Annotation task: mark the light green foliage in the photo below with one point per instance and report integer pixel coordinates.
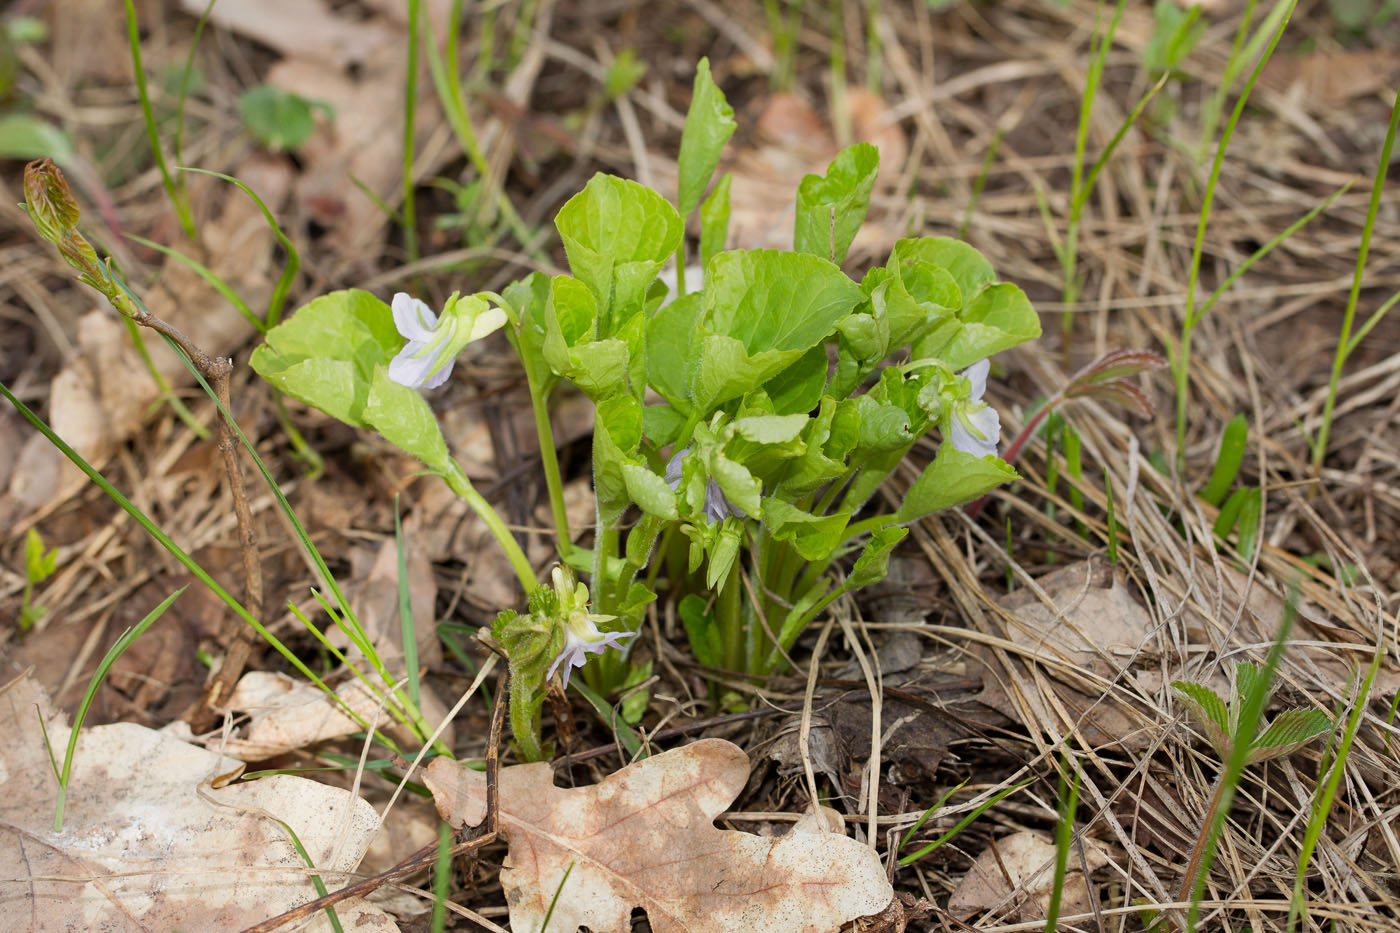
(39, 565)
(1362, 17)
(278, 119)
(623, 74)
(746, 478)
(831, 208)
(1176, 33)
(1289, 730)
(714, 220)
(333, 353)
(25, 136)
(708, 126)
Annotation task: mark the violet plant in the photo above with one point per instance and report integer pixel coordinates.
(743, 427)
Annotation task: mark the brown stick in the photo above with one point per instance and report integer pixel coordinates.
(427, 855)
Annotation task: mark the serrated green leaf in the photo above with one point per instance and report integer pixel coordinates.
(708, 125)
(952, 479)
(617, 234)
(873, 564)
(831, 208)
(1249, 679)
(725, 370)
(327, 353)
(1204, 702)
(1289, 731)
(969, 269)
(714, 221)
(770, 429)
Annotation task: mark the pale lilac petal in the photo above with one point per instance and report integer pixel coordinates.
(717, 504)
(410, 370)
(412, 317)
(977, 378)
(673, 467)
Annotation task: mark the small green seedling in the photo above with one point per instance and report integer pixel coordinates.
(280, 119)
(1233, 731)
(1174, 38)
(39, 565)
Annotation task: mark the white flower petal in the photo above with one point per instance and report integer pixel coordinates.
(439, 377)
(408, 369)
(977, 378)
(413, 319)
(987, 423)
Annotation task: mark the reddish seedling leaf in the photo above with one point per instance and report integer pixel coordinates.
(645, 837)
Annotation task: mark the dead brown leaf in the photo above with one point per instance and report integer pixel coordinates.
(152, 840)
(1019, 869)
(645, 837)
(1093, 631)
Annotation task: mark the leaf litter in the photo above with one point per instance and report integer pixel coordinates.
(1190, 607)
(156, 835)
(645, 837)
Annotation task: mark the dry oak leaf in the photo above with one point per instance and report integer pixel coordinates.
(1019, 869)
(151, 841)
(645, 837)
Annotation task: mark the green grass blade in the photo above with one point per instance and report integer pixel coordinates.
(442, 877)
(1254, 686)
(289, 271)
(1064, 838)
(116, 651)
(965, 822)
(1344, 340)
(406, 626)
(927, 813)
(1266, 249)
(209, 276)
(1227, 461)
(1327, 791)
(182, 208)
(1181, 358)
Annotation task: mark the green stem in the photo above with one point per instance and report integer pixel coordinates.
(182, 207)
(869, 525)
(525, 720)
(301, 448)
(729, 616)
(462, 486)
(410, 106)
(544, 429)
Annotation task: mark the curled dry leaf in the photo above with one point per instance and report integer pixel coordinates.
(645, 837)
(1093, 633)
(287, 714)
(150, 841)
(1020, 870)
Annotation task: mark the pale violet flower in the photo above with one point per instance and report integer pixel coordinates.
(974, 426)
(433, 343)
(717, 505)
(581, 634)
